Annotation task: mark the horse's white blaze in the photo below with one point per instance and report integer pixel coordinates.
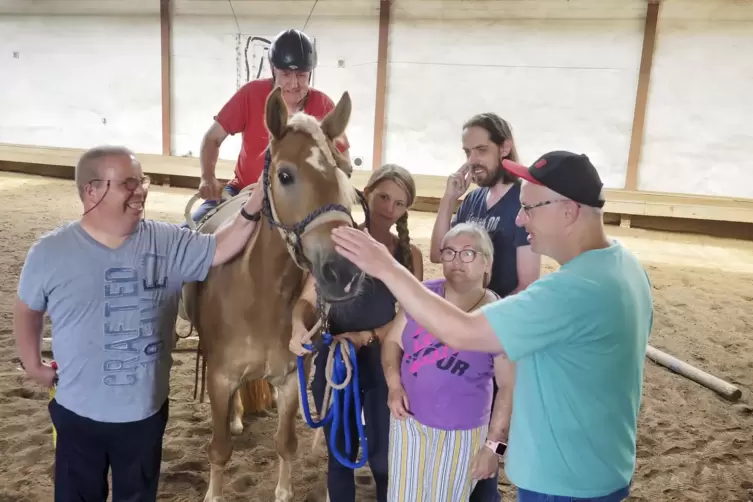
(315, 159)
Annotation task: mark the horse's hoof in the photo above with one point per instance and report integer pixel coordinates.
(236, 429)
(209, 498)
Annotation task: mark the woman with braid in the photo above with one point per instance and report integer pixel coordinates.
(365, 321)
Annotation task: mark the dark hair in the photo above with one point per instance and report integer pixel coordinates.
(499, 131)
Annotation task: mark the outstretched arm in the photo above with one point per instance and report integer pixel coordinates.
(447, 322)
(233, 237)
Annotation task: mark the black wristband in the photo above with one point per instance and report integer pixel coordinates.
(250, 217)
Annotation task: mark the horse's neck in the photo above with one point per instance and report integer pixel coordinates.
(269, 262)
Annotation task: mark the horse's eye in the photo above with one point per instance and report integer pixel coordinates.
(285, 176)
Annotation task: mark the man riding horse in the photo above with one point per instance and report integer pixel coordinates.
(292, 58)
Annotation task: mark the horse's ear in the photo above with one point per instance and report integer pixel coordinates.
(276, 113)
(343, 163)
(335, 122)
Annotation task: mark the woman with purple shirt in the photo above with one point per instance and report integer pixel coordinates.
(442, 440)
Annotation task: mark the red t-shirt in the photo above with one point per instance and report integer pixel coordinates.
(244, 113)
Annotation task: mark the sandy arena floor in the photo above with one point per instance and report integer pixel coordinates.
(692, 445)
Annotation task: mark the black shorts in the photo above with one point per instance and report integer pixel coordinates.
(86, 450)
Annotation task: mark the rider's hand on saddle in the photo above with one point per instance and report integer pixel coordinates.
(211, 189)
(458, 182)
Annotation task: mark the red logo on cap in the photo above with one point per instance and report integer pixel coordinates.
(540, 164)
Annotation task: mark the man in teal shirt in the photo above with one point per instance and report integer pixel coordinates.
(577, 335)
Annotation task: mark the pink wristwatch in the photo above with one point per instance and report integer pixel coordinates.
(497, 447)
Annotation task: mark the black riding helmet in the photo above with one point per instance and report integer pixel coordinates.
(292, 50)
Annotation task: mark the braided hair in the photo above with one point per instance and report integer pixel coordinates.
(401, 176)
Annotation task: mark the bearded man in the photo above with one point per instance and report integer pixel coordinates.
(487, 141)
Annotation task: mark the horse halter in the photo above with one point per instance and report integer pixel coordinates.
(293, 234)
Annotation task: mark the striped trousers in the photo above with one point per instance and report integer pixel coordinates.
(431, 465)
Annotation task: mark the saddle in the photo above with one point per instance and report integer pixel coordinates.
(214, 219)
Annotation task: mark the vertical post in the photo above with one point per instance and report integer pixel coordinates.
(381, 83)
(641, 98)
(165, 38)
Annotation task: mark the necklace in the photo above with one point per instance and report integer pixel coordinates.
(483, 295)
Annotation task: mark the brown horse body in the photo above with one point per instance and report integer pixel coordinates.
(242, 311)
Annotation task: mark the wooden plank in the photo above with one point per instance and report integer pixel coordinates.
(380, 106)
(429, 188)
(151, 163)
(641, 98)
(166, 62)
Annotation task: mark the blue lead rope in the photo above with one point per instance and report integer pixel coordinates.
(340, 409)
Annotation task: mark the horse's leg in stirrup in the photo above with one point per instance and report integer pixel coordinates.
(236, 417)
(286, 441)
(220, 389)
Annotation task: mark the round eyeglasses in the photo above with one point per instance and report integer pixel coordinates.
(466, 255)
(132, 183)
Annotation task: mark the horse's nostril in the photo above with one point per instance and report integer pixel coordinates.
(329, 273)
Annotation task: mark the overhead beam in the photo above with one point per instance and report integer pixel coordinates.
(166, 60)
(380, 107)
(641, 98)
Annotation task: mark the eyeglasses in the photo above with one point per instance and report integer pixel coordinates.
(466, 255)
(130, 184)
(527, 208)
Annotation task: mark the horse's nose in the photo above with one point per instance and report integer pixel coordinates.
(329, 272)
(335, 272)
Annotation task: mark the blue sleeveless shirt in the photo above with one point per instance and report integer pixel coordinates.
(371, 309)
(506, 236)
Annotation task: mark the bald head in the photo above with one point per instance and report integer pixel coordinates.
(92, 163)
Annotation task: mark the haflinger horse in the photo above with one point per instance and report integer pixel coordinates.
(242, 310)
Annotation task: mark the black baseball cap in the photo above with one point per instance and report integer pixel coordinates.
(569, 174)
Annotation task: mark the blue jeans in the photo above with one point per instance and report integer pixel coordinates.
(87, 449)
(529, 496)
(207, 205)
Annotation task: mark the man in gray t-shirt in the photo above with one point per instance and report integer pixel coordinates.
(110, 283)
